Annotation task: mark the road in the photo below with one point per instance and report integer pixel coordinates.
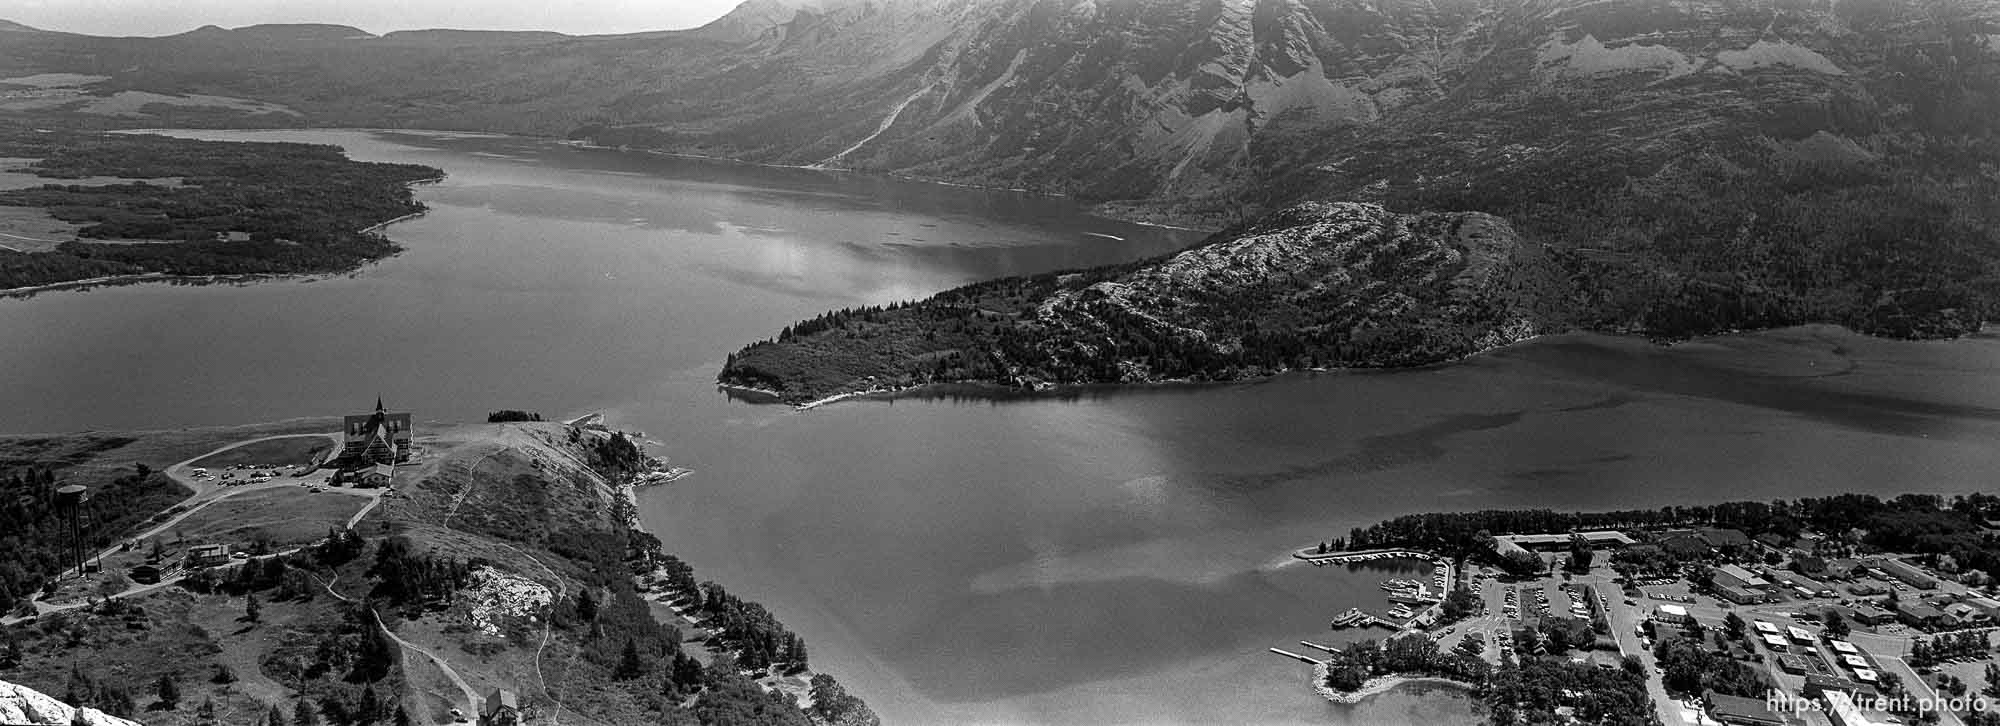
(471, 696)
(206, 492)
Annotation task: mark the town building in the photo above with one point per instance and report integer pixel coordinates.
(1918, 614)
(1964, 614)
(1986, 605)
(1672, 615)
(375, 477)
(1842, 568)
(1737, 576)
(208, 555)
(1739, 710)
(1910, 574)
(1871, 614)
(1740, 595)
(1793, 664)
(1843, 711)
(1607, 539)
(1819, 685)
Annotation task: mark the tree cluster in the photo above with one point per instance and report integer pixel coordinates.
(34, 540)
(302, 207)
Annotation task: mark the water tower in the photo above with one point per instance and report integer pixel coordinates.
(69, 505)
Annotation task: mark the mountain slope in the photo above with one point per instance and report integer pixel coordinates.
(1690, 166)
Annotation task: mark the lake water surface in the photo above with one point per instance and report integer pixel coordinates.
(1095, 558)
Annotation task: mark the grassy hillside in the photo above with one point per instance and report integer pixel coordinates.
(506, 561)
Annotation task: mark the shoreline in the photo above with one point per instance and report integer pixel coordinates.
(1001, 392)
(1378, 685)
(139, 277)
(1093, 210)
(1004, 391)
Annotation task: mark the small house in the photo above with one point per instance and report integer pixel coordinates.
(502, 708)
(208, 555)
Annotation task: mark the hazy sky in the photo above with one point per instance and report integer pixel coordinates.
(166, 17)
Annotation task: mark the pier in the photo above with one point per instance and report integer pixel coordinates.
(1330, 650)
(1341, 558)
(1354, 617)
(1295, 656)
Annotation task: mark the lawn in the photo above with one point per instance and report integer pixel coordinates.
(290, 516)
(287, 451)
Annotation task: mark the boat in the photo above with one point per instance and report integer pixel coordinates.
(1351, 618)
(1401, 584)
(1401, 611)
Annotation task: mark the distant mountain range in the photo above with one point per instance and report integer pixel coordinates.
(1692, 165)
(1205, 109)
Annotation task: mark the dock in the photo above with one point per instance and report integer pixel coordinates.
(588, 421)
(1295, 656)
(1354, 617)
(1330, 650)
(1341, 558)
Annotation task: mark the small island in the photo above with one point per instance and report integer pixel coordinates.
(135, 206)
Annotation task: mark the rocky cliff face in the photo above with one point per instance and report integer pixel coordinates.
(1215, 107)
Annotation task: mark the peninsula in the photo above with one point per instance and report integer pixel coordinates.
(80, 206)
(475, 570)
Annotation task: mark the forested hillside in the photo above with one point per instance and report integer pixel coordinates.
(238, 208)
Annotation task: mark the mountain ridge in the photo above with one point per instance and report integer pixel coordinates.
(1690, 167)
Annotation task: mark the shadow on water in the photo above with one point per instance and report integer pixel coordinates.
(1686, 375)
(1382, 452)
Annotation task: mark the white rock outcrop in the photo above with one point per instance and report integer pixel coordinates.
(23, 705)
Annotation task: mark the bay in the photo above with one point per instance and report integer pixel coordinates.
(1104, 556)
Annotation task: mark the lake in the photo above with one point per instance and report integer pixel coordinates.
(1100, 557)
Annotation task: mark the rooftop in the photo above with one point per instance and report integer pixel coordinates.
(1748, 578)
(1741, 710)
(1598, 536)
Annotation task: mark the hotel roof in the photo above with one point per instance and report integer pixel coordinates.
(1845, 647)
(1765, 627)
